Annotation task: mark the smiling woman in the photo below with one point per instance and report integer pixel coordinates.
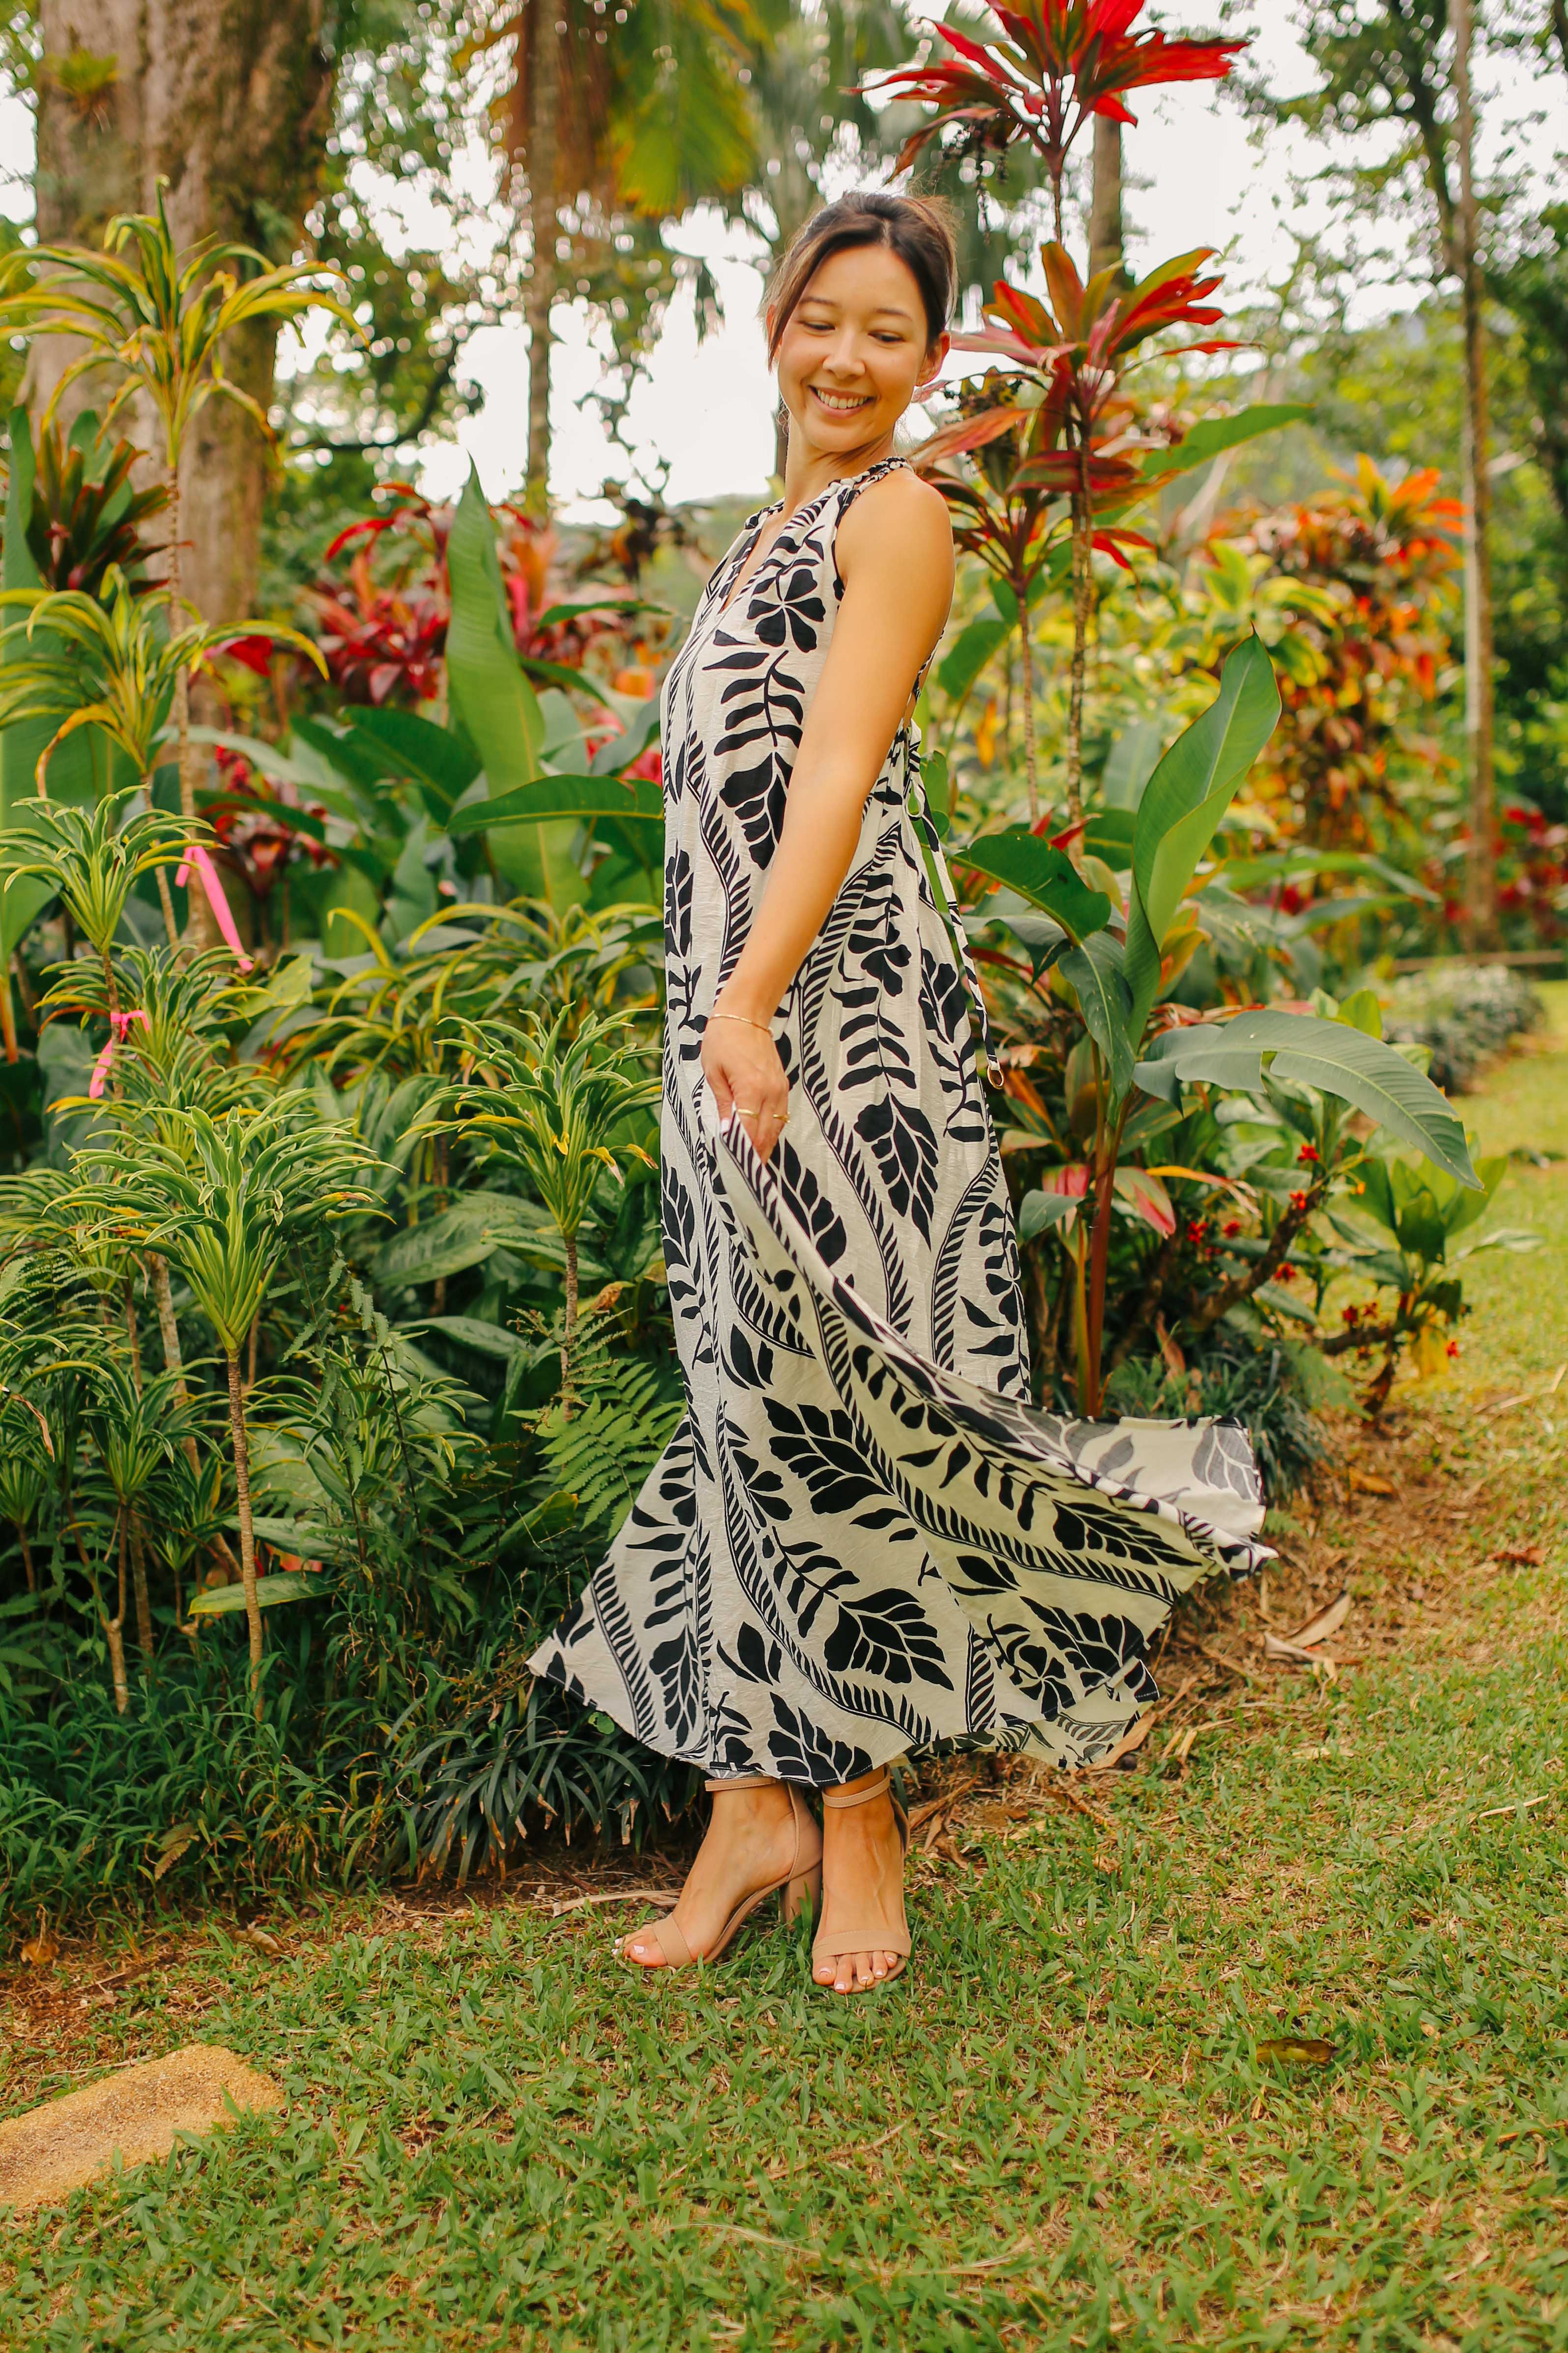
(861, 1539)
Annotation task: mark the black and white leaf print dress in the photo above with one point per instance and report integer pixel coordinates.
(862, 1538)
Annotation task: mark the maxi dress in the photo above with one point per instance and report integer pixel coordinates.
(862, 1538)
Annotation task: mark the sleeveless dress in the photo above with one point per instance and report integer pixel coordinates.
(862, 1538)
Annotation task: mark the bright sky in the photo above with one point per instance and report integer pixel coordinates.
(708, 406)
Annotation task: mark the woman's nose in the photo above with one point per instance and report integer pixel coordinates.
(844, 358)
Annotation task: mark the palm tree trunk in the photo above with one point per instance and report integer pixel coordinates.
(1481, 914)
(247, 1527)
(1106, 232)
(543, 199)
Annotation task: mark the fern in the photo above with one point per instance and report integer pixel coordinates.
(626, 1410)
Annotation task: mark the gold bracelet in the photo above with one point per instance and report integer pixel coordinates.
(745, 1021)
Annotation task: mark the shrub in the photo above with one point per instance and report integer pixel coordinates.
(1463, 1014)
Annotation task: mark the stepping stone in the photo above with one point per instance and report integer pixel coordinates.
(135, 2115)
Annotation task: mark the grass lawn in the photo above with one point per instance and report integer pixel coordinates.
(1066, 2127)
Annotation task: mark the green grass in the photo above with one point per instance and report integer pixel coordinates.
(1061, 2130)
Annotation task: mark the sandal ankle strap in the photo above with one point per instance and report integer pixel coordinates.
(740, 1781)
(839, 1798)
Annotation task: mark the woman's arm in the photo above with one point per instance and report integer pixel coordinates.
(895, 559)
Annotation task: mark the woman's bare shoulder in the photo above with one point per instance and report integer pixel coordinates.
(898, 521)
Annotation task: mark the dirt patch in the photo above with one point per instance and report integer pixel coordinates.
(135, 2115)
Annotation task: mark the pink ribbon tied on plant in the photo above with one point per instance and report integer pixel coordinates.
(119, 1031)
(197, 857)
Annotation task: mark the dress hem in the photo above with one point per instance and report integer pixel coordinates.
(1014, 1738)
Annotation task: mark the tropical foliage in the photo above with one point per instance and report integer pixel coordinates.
(335, 1327)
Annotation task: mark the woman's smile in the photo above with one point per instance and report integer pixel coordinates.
(841, 404)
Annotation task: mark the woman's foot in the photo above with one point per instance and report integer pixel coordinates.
(862, 1880)
(751, 1841)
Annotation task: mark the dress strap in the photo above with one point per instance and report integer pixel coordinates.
(850, 487)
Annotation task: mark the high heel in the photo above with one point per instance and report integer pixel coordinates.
(876, 1939)
(800, 1884)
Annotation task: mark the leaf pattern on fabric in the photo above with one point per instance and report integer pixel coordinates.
(861, 1538)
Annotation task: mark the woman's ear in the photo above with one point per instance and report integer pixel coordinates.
(927, 380)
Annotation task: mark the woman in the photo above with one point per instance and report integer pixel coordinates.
(861, 1538)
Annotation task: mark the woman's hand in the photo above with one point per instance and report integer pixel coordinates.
(740, 1063)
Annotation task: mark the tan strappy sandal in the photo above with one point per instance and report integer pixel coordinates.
(876, 1939)
(802, 1883)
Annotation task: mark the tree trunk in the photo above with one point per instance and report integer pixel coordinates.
(1481, 912)
(1082, 600)
(544, 203)
(231, 104)
(569, 1332)
(169, 1333)
(247, 1527)
(1031, 755)
(143, 1598)
(113, 1628)
(1106, 227)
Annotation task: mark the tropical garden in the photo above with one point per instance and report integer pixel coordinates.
(335, 1336)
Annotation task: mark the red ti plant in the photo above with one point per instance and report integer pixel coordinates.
(1063, 62)
(1007, 505)
(1075, 349)
(384, 635)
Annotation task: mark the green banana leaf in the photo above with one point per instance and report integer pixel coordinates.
(495, 706)
(435, 759)
(1046, 877)
(1107, 834)
(1098, 973)
(968, 655)
(1215, 435)
(564, 797)
(1280, 865)
(1332, 1056)
(1186, 797)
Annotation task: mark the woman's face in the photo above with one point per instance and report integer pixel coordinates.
(854, 352)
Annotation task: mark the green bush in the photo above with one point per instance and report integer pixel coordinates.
(1464, 1015)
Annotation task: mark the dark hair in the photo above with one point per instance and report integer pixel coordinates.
(918, 230)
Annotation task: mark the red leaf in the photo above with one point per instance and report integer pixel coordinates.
(367, 528)
(255, 652)
(969, 432)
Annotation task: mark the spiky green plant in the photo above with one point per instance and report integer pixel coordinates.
(116, 665)
(550, 1103)
(159, 319)
(91, 862)
(134, 1426)
(223, 1202)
